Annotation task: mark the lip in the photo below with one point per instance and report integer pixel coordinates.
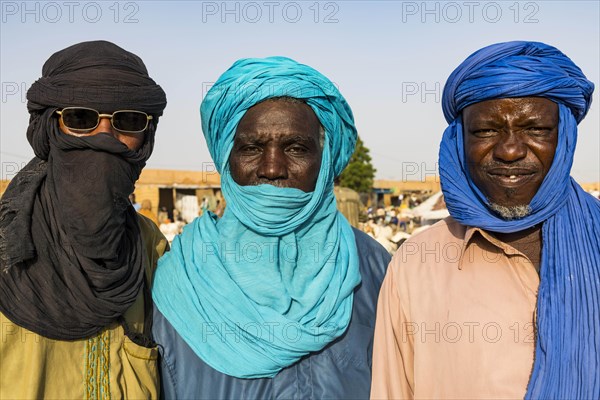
(513, 177)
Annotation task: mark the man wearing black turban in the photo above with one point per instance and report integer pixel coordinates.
(76, 260)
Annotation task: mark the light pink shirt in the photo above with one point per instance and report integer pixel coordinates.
(455, 318)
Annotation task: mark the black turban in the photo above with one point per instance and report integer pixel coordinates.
(98, 75)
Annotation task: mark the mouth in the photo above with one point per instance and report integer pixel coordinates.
(275, 182)
(511, 177)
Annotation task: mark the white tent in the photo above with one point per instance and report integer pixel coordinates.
(426, 211)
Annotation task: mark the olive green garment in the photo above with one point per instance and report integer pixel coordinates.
(106, 366)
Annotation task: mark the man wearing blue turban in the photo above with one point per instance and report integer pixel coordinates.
(277, 298)
(502, 298)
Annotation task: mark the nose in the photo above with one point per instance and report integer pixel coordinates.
(272, 166)
(510, 148)
(104, 126)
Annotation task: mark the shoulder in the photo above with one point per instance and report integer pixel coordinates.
(155, 243)
(447, 232)
(374, 261)
(440, 245)
(148, 228)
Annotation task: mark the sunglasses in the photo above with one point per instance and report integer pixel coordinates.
(81, 120)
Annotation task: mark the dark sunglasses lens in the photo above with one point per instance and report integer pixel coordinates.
(79, 118)
(131, 121)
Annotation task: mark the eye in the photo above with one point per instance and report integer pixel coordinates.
(249, 149)
(538, 130)
(484, 132)
(297, 149)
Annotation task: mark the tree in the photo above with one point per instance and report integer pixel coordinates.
(359, 173)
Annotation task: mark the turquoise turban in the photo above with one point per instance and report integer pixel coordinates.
(250, 81)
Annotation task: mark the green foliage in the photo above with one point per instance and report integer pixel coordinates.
(359, 173)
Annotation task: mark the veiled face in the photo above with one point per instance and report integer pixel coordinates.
(277, 143)
(510, 146)
(133, 141)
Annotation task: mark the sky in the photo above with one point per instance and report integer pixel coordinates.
(389, 59)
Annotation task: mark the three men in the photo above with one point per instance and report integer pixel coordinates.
(76, 260)
(500, 300)
(276, 299)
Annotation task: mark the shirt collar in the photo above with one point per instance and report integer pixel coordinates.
(474, 233)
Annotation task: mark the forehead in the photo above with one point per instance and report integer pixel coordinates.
(520, 107)
(279, 113)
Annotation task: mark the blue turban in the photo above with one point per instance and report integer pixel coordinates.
(273, 280)
(567, 355)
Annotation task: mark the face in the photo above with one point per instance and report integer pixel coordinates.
(277, 143)
(509, 146)
(133, 141)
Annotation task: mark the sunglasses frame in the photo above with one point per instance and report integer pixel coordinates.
(85, 132)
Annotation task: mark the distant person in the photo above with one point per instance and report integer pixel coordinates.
(276, 299)
(219, 209)
(136, 206)
(204, 206)
(163, 215)
(501, 300)
(147, 212)
(76, 260)
(383, 234)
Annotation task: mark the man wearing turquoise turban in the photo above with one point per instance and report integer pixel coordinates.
(277, 298)
(502, 298)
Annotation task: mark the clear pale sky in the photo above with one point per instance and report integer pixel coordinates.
(390, 59)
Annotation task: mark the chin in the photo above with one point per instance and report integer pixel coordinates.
(510, 212)
(509, 197)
